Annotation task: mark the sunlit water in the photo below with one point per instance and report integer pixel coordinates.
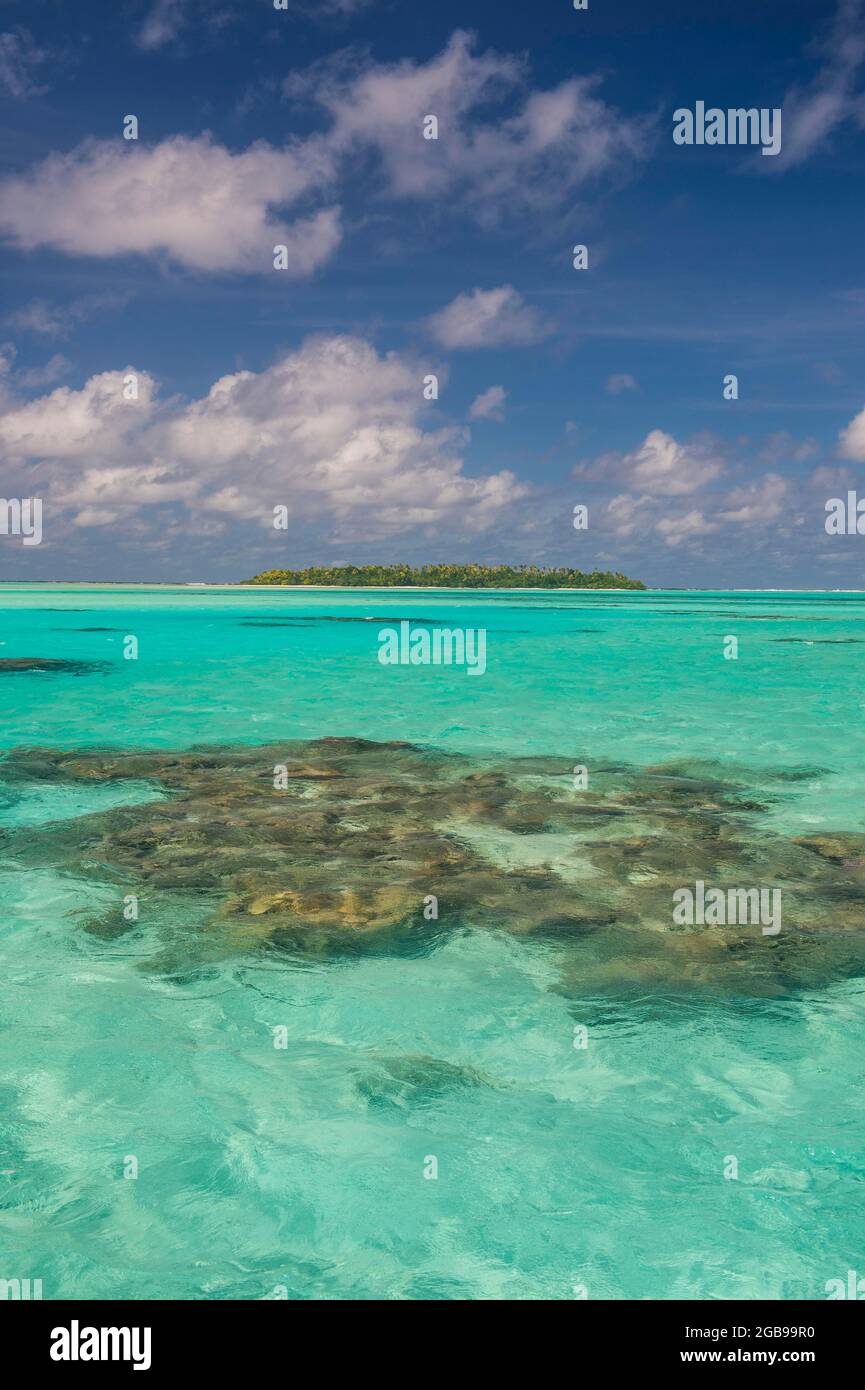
(301, 1169)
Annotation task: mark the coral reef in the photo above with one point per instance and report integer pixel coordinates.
(339, 844)
(13, 665)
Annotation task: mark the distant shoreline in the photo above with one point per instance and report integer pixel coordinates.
(328, 588)
(386, 588)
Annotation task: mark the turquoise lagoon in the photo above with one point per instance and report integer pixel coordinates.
(264, 1172)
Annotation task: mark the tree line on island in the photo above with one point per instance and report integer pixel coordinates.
(448, 577)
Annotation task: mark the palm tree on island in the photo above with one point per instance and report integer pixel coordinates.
(447, 577)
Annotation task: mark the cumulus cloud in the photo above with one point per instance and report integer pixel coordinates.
(674, 530)
(332, 431)
(627, 515)
(664, 467)
(677, 492)
(191, 199)
(851, 441)
(213, 209)
(489, 405)
(624, 514)
(488, 318)
(531, 157)
(760, 501)
(660, 467)
(70, 424)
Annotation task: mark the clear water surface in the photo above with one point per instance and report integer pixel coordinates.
(300, 1171)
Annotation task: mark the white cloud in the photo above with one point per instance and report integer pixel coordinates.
(334, 7)
(760, 501)
(50, 320)
(39, 317)
(489, 405)
(114, 493)
(71, 424)
(211, 209)
(488, 318)
(163, 23)
(618, 382)
(188, 198)
(755, 504)
(781, 446)
(19, 59)
(676, 529)
(661, 471)
(813, 112)
(55, 368)
(529, 158)
(331, 430)
(851, 441)
(8, 353)
(168, 19)
(660, 467)
(828, 477)
(625, 514)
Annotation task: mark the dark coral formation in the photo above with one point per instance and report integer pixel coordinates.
(346, 849)
(13, 665)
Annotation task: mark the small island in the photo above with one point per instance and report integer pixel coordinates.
(447, 577)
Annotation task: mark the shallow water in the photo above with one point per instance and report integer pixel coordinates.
(301, 1167)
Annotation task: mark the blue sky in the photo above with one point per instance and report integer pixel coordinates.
(304, 388)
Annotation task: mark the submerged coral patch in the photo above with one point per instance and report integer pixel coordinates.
(12, 665)
(342, 844)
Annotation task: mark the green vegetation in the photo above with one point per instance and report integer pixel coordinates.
(449, 577)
